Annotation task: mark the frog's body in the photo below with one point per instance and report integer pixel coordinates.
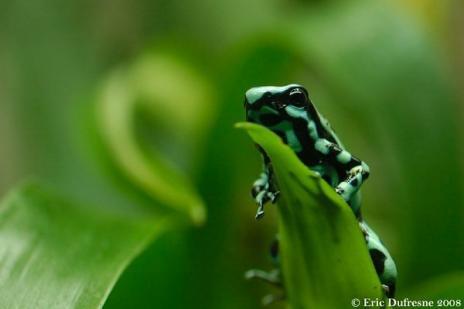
(289, 113)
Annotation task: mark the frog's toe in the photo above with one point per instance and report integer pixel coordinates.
(271, 299)
(355, 170)
(386, 288)
(272, 277)
(274, 196)
(262, 198)
(260, 212)
(389, 290)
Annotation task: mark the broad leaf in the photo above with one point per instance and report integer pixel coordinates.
(54, 254)
(325, 261)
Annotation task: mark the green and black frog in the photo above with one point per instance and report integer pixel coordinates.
(289, 112)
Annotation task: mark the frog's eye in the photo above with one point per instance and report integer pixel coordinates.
(297, 98)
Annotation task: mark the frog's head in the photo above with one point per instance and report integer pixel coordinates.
(271, 105)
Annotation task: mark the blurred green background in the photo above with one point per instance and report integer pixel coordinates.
(387, 75)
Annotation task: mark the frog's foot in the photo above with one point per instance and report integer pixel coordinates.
(274, 196)
(339, 190)
(273, 277)
(260, 212)
(356, 170)
(272, 298)
(389, 290)
(386, 289)
(262, 198)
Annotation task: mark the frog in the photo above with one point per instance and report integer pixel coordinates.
(289, 112)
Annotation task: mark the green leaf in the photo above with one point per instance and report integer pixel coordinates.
(54, 254)
(325, 261)
(151, 86)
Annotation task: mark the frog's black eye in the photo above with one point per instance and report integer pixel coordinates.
(297, 98)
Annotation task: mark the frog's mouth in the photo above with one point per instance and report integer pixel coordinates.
(266, 116)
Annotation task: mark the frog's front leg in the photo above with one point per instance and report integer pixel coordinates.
(356, 170)
(263, 191)
(351, 184)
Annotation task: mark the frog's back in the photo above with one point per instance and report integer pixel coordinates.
(331, 135)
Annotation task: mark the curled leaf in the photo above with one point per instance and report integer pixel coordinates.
(159, 86)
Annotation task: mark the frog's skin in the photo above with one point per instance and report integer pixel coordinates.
(289, 113)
